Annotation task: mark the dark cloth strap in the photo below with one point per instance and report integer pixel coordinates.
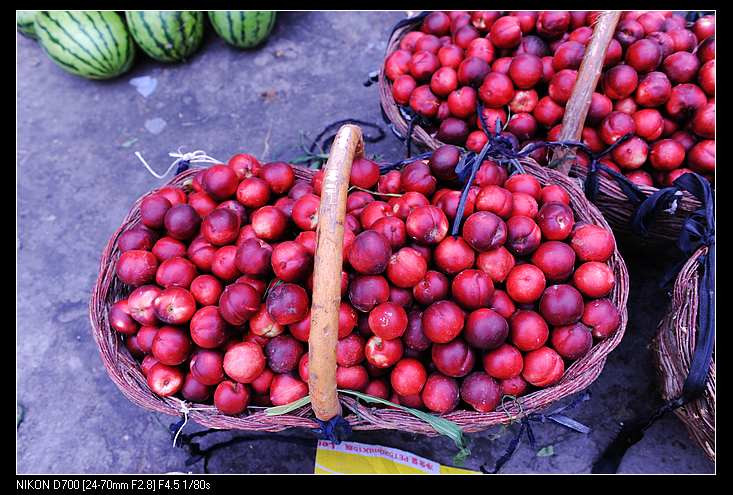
(335, 430)
(698, 230)
(526, 426)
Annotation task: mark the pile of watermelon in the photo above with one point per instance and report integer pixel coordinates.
(101, 44)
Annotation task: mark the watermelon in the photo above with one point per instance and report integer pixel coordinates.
(88, 43)
(242, 28)
(167, 36)
(24, 21)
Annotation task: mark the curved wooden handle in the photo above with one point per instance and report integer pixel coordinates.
(590, 70)
(323, 338)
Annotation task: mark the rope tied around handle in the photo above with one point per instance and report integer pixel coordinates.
(335, 430)
(698, 230)
(526, 426)
(182, 160)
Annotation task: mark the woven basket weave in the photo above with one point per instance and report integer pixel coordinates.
(127, 375)
(611, 200)
(675, 346)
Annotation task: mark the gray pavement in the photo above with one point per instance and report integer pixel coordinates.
(77, 178)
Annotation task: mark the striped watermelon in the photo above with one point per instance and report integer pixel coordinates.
(88, 43)
(24, 21)
(243, 28)
(167, 36)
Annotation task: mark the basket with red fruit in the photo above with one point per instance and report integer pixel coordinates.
(655, 80)
(242, 287)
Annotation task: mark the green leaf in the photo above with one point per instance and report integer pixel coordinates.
(441, 425)
(547, 451)
(278, 410)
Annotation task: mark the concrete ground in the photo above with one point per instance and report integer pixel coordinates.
(77, 178)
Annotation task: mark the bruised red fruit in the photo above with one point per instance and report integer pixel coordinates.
(485, 329)
(472, 289)
(594, 279)
(120, 318)
(397, 64)
(543, 367)
(207, 366)
(367, 291)
(285, 389)
(528, 330)
(414, 338)
(523, 235)
(208, 328)
(406, 268)
(253, 257)
(174, 306)
(383, 353)
(291, 261)
(454, 358)
(481, 392)
(171, 346)
(502, 303)
(164, 380)
(137, 267)
(238, 303)
(503, 362)
(562, 84)
(433, 287)
(561, 305)
(484, 231)
(244, 362)
(592, 243)
(153, 209)
(350, 350)
(497, 263)
(244, 165)
(193, 390)
(440, 393)
(283, 353)
(287, 303)
(453, 255)
(364, 173)
(525, 283)
(427, 224)
(220, 182)
(555, 221)
(279, 176)
(620, 81)
(370, 253)
(388, 321)
(442, 321)
(408, 377)
(602, 317)
(262, 324)
(572, 341)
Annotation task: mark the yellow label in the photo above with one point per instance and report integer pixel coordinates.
(360, 458)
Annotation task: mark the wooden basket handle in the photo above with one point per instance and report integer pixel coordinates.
(590, 70)
(347, 145)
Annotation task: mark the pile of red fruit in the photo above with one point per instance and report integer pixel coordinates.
(658, 84)
(221, 278)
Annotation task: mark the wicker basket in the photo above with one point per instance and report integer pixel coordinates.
(126, 373)
(675, 345)
(611, 200)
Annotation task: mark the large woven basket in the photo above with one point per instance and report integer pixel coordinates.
(675, 346)
(611, 200)
(127, 375)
